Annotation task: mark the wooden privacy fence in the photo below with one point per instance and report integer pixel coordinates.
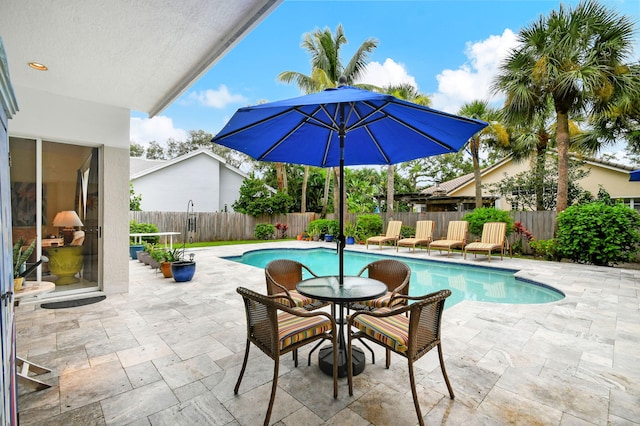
(237, 226)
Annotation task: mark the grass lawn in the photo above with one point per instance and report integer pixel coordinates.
(230, 243)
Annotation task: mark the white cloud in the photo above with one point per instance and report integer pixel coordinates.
(390, 73)
(472, 80)
(159, 129)
(217, 98)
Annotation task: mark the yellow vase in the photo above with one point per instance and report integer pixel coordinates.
(65, 262)
(17, 284)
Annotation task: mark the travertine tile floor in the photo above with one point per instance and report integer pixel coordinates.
(170, 354)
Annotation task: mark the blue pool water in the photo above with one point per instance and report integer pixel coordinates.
(465, 282)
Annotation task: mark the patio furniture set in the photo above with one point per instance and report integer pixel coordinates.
(289, 317)
(493, 239)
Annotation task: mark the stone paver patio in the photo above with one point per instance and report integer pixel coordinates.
(170, 354)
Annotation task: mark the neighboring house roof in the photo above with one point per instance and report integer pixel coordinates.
(155, 165)
(139, 55)
(446, 188)
(138, 164)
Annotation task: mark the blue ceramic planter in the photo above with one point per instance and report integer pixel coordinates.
(134, 249)
(183, 270)
(328, 238)
(351, 240)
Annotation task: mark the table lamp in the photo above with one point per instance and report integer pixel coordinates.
(68, 220)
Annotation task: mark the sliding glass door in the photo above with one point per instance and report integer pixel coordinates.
(55, 201)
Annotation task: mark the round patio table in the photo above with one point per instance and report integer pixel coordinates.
(353, 289)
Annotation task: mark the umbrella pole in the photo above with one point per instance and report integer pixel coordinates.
(341, 238)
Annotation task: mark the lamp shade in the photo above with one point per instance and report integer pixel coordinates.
(67, 218)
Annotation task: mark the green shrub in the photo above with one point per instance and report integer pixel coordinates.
(318, 227)
(368, 225)
(144, 228)
(407, 231)
(598, 233)
(158, 254)
(264, 231)
(482, 215)
(546, 249)
(333, 227)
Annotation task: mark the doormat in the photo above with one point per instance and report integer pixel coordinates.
(73, 303)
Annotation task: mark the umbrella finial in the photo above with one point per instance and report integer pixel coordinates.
(342, 81)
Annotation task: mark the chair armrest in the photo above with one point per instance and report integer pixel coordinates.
(300, 312)
(285, 291)
(309, 270)
(435, 294)
(378, 314)
(396, 291)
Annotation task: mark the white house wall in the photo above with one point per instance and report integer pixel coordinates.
(171, 188)
(61, 119)
(230, 183)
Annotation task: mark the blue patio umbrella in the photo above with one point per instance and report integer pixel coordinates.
(634, 176)
(344, 126)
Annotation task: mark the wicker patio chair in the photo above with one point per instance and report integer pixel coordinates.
(456, 237)
(276, 333)
(282, 275)
(392, 235)
(410, 337)
(494, 237)
(394, 274)
(423, 236)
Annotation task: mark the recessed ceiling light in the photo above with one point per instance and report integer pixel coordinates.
(38, 66)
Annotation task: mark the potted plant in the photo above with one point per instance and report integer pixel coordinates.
(157, 254)
(183, 270)
(134, 248)
(314, 229)
(168, 257)
(350, 230)
(144, 255)
(332, 228)
(19, 263)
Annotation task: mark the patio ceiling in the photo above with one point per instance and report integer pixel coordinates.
(139, 55)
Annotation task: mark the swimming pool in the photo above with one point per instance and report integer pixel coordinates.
(466, 282)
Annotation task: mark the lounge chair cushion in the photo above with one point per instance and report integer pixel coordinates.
(392, 331)
(293, 329)
(478, 246)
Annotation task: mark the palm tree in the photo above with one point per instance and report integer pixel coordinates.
(531, 139)
(494, 135)
(409, 93)
(576, 59)
(327, 68)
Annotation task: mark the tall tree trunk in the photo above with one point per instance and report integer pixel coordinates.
(475, 155)
(541, 156)
(325, 196)
(303, 196)
(390, 188)
(281, 176)
(562, 138)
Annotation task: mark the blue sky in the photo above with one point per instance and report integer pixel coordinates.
(448, 49)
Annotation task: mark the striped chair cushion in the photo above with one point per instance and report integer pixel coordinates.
(457, 230)
(380, 302)
(391, 331)
(298, 299)
(293, 329)
(477, 246)
(493, 232)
